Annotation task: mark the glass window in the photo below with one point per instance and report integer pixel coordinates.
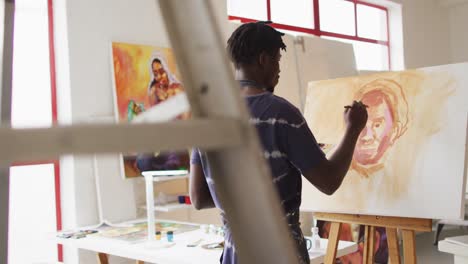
(337, 16)
(254, 9)
(299, 13)
(31, 95)
(372, 22)
(32, 217)
(369, 56)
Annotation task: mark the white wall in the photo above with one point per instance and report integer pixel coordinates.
(426, 34)
(458, 20)
(433, 31)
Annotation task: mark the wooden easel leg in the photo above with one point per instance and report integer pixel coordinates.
(369, 243)
(102, 258)
(409, 246)
(332, 243)
(393, 248)
(366, 248)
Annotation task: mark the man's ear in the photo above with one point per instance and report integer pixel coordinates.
(262, 59)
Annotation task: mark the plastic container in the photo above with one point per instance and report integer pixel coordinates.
(170, 236)
(315, 238)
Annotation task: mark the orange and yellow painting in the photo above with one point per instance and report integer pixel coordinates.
(412, 150)
(145, 76)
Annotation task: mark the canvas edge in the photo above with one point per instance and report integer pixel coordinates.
(464, 198)
(116, 110)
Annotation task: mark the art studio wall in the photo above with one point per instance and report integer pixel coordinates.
(458, 19)
(433, 32)
(84, 30)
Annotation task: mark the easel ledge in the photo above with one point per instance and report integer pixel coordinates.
(408, 226)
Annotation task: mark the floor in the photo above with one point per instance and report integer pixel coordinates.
(427, 253)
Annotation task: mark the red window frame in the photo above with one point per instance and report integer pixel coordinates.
(317, 30)
(53, 87)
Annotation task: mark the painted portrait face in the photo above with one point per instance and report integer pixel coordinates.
(160, 75)
(376, 137)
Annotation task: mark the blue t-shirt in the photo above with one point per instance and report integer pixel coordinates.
(289, 147)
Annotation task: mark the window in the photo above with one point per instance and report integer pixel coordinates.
(337, 16)
(32, 214)
(253, 9)
(371, 22)
(362, 24)
(31, 102)
(34, 204)
(303, 11)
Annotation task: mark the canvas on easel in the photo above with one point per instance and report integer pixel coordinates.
(145, 76)
(410, 158)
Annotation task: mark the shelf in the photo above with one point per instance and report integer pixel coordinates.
(170, 207)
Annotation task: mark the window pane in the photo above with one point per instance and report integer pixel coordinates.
(369, 56)
(337, 16)
(254, 9)
(372, 57)
(299, 13)
(32, 215)
(372, 22)
(31, 102)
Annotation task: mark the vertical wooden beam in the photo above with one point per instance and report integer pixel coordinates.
(370, 245)
(103, 258)
(195, 42)
(5, 118)
(393, 248)
(332, 243)
(365, 255)
(409, 246)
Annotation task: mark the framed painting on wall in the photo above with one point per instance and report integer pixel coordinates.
(145, 76)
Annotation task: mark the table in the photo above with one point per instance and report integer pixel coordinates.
(458, 246)
(179, 253)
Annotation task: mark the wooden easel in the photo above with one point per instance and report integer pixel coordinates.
(408, 226)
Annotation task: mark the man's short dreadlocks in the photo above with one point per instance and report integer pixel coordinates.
(251, 39)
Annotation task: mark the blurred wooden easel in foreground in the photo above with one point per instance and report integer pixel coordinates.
(408, 226)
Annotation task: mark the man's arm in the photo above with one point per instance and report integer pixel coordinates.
(329, 173)
(200, 195)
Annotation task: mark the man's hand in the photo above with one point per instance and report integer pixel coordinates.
(328, 175)
(355, 116)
